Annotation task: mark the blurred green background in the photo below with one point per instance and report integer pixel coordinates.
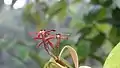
(93, 25)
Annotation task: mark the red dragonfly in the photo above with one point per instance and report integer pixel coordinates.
(45, 36)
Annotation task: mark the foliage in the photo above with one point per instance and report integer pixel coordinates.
(95, 22)
(112, 60)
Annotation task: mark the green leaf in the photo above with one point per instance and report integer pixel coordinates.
(101, 14)
(115, 14)
(35, 56)
(107, 3)
(6, 43)
(56, 8)
(21, 51)
(36, 17)
(26, 12)
(97, 41)
(95, 1)
(30, 16)
(62, 14)
(96, 13)
(83, 49)
(114, 35)
(33, 17)
(112, 60)
(69, 42)
(85, 30)
(75, 23)
(75, 1)
(105, 28)
(92, 33)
